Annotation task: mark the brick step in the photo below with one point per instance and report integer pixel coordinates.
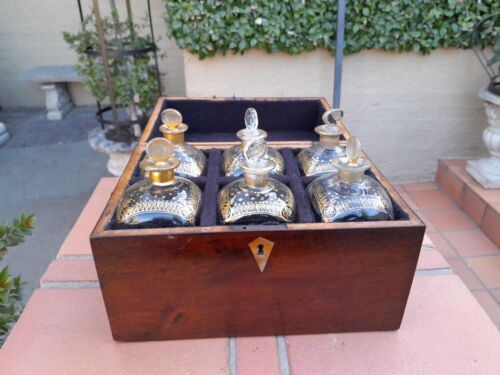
(481, 205)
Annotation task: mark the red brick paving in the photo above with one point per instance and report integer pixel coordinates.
(465, 229)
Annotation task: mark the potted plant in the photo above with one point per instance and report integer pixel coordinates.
(11, 286)
(115, 60)
(486, 171)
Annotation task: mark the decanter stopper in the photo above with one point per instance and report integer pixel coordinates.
(192, 160)
(162, 163)
(251, 122)
(233, 157)
(256, 165)
(329, 132)
(352, 167)
(251, 130)
(171, 118)
(173, 128)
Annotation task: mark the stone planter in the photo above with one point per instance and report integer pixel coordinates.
(118, 152)
(486, 171)
(403, 107)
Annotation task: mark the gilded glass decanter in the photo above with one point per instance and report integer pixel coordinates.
(233, 157)
(350, 195)
(256, 198)
(192, 160)
(162, 199)
(317, 159)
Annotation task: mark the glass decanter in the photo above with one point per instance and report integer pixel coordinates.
(192, 160)
(256, 198)
(233, 157)
(350, 195)
(162, 199)
(318, 159)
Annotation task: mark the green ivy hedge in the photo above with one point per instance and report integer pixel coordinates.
(208, 27)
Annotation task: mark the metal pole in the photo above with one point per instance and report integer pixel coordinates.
(155, 54)
(339, 53)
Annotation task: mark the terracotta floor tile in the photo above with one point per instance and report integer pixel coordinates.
(491, 225)
(487, 268)
(488, 195)
(77, 242)
(471, 243)
(449, 219)
(460, 268)
(424, 186)
(442, 170)
(444, 331)
(473, 206)
(453, 186)
(61, 271)
(496, 207)
(257, 355)
(409, 201)
(66, 331)
(430, 199)
(496, 294)
(429, 226)
(427, 243)
(461, 173)
(442, 245)
(489, 305)
(431, 260)
(455, 162)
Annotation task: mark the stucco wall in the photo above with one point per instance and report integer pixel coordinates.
(31, 35)
(407, 109)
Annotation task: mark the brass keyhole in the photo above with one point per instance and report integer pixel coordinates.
(260, 250)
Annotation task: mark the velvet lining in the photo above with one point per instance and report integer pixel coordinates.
(214, 180)
(283, 119)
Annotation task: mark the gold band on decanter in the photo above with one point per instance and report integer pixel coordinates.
(161, 166)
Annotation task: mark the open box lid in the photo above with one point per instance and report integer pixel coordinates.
(218, 119)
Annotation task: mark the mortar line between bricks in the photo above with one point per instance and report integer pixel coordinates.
(70, 285)
(283, 355)
(439, 271)
(233, 369)
(74, 257)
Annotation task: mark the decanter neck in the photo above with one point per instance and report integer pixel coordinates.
(255, 180)
(329, 141)
(175, 138)
(350, 177)
(162, 178)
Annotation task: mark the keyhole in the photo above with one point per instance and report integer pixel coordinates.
(261, 249)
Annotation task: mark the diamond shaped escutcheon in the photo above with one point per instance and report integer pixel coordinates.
(261, 250)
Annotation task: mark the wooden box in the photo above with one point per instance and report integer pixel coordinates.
(204, 281)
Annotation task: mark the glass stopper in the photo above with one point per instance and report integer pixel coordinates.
(332, 116)
(256, 150)
(251, 121)
(159, 150)
(353, 150)
(171, 118)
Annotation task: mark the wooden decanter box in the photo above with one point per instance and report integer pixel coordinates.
(205, 281)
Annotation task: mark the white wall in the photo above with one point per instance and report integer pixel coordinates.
(407, 109)
(31, 35)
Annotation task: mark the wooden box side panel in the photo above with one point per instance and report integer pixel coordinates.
(316, 281)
